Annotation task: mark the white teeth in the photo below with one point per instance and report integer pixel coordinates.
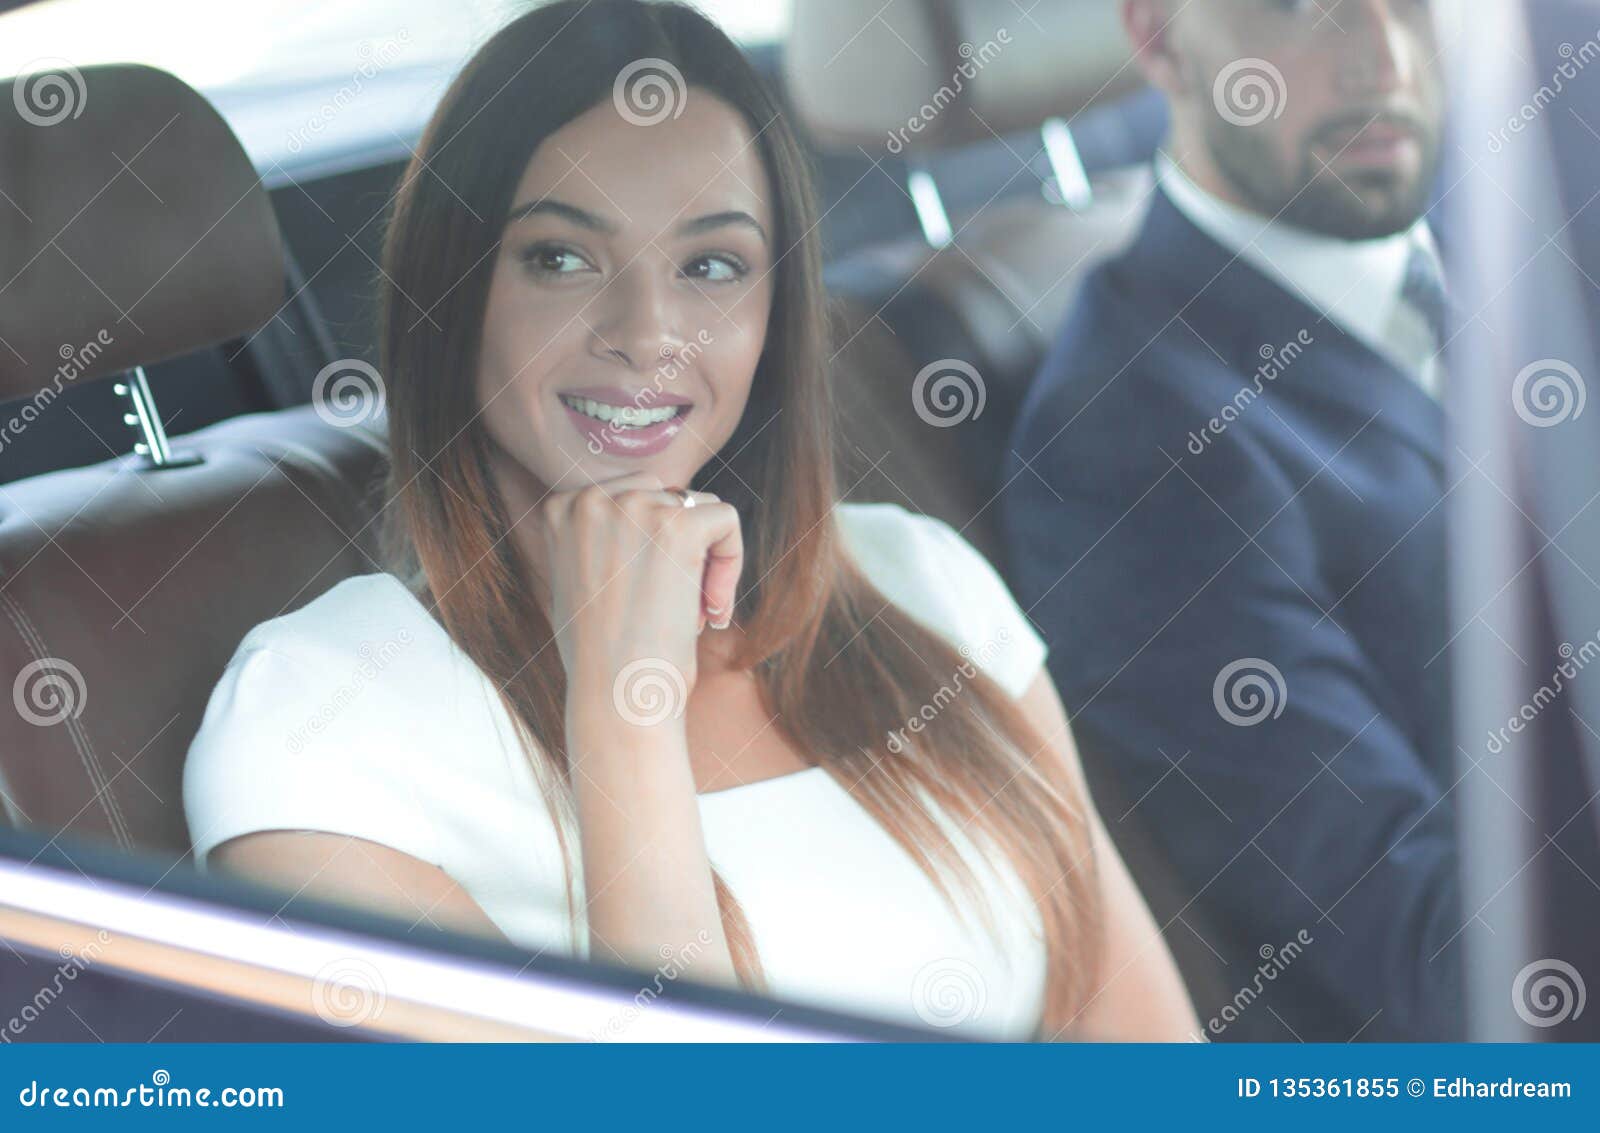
(623, 417)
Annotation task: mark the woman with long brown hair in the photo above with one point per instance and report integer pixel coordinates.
(636, 684)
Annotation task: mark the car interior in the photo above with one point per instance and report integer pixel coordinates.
(183, 488)
(148, 567)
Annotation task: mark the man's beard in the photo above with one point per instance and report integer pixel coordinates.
(1365, 205)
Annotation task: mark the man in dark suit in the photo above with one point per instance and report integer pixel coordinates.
(1225, 512)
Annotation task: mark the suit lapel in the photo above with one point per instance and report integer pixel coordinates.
(1242, 314)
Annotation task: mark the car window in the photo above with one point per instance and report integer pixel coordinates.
(1144, 431)
(277, 42)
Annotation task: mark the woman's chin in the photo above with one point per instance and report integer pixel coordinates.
(590, 469)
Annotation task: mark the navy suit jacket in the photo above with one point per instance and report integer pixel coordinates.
(1226, 516)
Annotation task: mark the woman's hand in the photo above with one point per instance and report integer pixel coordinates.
(634, 575)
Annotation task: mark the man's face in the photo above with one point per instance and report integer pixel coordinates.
(1322, 113)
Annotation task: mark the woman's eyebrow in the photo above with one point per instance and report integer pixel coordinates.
(721, 219)
(585, 219)
(581, 217)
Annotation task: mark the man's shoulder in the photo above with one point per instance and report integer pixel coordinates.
(1135, 317)
(1122, 367)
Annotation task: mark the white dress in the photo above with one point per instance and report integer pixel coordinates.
(357, 714)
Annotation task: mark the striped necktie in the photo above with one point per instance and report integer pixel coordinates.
(1424, 290)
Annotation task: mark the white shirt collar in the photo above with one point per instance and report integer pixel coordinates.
(1356, 283)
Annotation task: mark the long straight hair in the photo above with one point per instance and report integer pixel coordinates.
(836, 664)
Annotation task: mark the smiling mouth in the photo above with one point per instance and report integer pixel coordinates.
(622, 417)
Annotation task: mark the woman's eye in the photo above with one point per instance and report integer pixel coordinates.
(552, 259)
(716, 269)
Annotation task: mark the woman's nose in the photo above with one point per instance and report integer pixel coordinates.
(638, 324)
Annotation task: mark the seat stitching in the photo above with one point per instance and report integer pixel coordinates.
(105, 794)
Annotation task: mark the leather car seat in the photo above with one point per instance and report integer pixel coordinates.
(990, 300)
(133, 229)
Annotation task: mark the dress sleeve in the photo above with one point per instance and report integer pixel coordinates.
(993, 627)
(290, 741)
(932, 572)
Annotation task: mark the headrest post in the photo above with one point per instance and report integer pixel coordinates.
(929, 204)
(154, 448)
(1066, 164)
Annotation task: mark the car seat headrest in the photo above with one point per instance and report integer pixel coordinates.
(928, 74)
(133, 226)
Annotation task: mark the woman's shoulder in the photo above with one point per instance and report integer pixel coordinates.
(932, 572)
(883, 529)
(355, 619)
(358, 667)
(321, 721)
(891, 543)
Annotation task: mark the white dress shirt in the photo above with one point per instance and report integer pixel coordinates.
(1355, 283)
